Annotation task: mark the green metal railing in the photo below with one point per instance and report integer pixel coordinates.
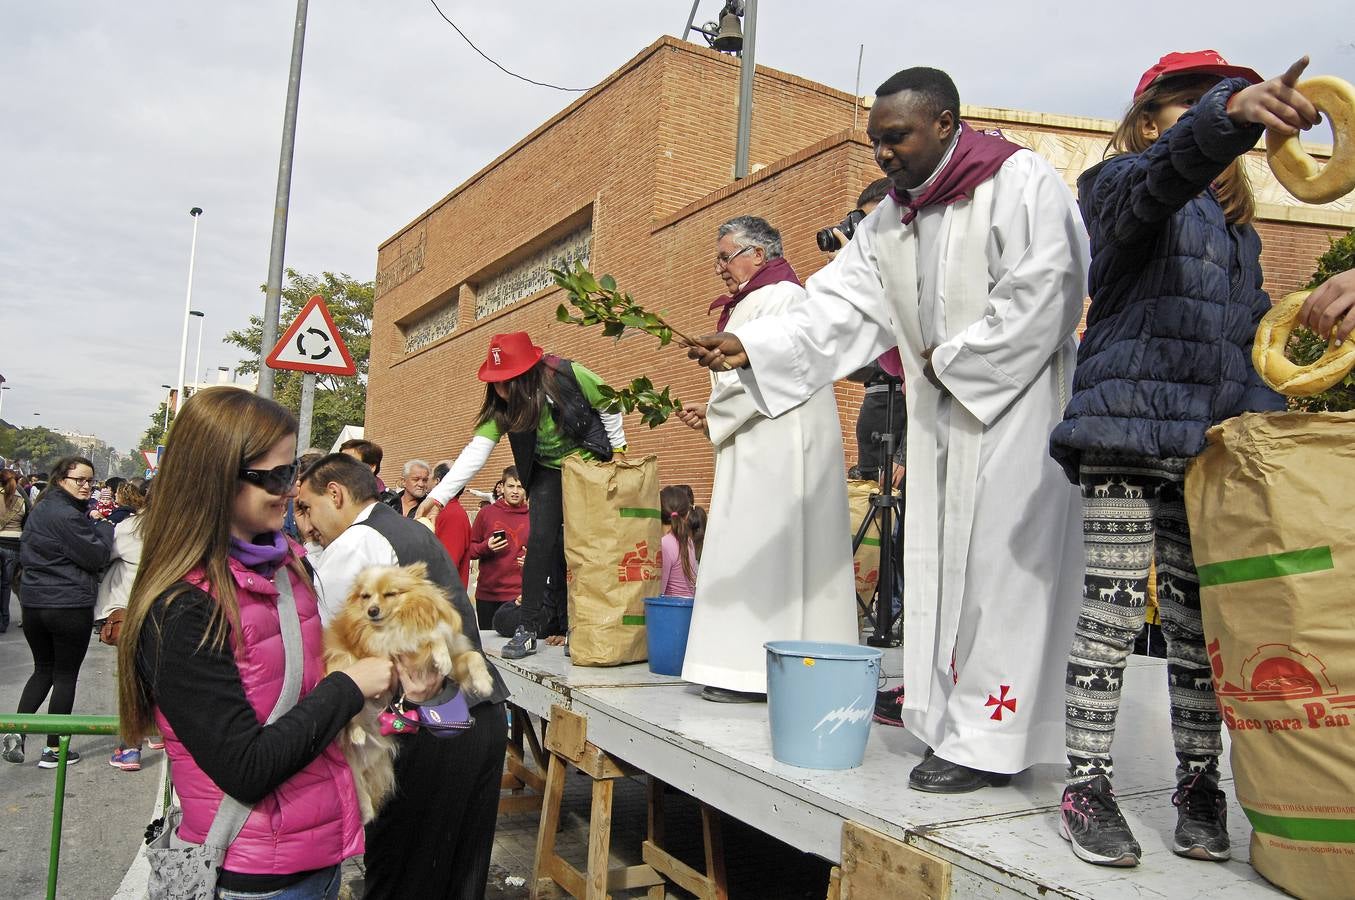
(64, 727)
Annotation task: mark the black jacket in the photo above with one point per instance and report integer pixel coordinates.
(63, 551)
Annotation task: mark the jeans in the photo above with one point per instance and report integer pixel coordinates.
(323, 885)
(9, 564)
(544, 609)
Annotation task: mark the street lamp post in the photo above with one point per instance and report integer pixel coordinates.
(188, 299)
(3, 388)
(164, 429)
(197, 362)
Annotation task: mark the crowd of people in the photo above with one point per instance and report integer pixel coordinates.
(1039, 469)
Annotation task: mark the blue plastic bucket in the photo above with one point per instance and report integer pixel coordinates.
(820, 699)
(667, 622)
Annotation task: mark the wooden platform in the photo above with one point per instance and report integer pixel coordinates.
(999, 842)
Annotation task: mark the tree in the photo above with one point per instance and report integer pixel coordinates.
(1305, 347)
(339, 401)
(155, 434)
(39, 446)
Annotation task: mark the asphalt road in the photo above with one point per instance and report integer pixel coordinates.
(106, 809)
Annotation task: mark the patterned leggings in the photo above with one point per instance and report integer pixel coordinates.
(1131, 507)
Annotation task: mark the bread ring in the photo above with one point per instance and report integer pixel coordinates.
(1290, 379)
(1299, 172)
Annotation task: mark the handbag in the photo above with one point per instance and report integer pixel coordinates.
(184, 871)
(443, 715)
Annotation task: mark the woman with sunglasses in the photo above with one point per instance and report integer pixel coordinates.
(202, 658)
(62, 552)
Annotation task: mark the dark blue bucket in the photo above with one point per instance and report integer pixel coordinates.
(667, 621)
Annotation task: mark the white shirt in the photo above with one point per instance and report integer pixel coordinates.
(354, 550)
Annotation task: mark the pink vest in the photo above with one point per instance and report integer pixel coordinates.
(311, 820)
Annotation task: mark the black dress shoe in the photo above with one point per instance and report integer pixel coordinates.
(725, 695)
(937, 776)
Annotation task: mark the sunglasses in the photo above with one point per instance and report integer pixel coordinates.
(277, 481)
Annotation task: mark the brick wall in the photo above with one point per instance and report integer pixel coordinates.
(647, 157)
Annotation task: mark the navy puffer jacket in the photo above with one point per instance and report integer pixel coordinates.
(63, 551)
(1176, 297)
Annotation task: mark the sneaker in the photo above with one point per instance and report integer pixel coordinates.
(1091, 821)
(1201, 818)
(152, 744)
(14, 748)
(522, 644)
(50, 757)
(128, 760)
(889, 707)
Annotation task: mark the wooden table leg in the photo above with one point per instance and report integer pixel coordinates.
(550, 820)
(599, 840)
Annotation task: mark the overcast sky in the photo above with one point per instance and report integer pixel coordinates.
(119, 117)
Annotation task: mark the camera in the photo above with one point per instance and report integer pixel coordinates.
(828, 241)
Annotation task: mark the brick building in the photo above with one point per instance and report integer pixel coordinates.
(633, 178)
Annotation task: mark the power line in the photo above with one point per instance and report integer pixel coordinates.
(496, 63)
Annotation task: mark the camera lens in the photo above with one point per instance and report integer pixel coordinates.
(827, 240)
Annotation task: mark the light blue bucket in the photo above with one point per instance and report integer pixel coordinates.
(820, 699)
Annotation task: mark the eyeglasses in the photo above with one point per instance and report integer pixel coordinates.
(277, 481)
(722, 260)
(81, 481)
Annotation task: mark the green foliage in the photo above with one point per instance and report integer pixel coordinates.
(339, 401)
(600, 303)
(1305, 347)
(155, 434)
(640, 396)
(39, 446)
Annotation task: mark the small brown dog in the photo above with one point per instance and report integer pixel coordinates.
(397, 613)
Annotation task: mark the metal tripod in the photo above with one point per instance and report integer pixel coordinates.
(879, 609)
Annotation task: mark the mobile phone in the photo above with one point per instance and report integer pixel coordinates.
(500, 534)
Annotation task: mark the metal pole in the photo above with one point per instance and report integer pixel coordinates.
(164, 429)
(273, 294)
(856, 91)
(2, 400)
(746, 89)
(58, 807)
(188, 299)
(197, 361)
(303, 436)
(690, 19)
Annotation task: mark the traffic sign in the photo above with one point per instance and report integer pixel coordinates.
(312, 344)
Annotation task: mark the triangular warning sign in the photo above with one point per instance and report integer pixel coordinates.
(312, 344)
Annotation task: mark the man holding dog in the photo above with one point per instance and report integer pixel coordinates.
(435, 834)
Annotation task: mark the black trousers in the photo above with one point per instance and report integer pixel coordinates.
(544, 605)
(434, 837)
(58, 639)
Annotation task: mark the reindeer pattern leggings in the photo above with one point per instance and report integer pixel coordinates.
(1134, 511)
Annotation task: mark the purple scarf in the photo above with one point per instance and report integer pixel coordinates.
(773, 271)
(262, 558)
(977, 158)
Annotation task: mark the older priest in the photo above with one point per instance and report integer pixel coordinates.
(976, 268)
(777, 563)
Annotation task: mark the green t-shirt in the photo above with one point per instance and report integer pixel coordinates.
(552, 444)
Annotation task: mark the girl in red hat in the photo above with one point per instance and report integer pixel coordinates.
(550, 408)
(1176, 295)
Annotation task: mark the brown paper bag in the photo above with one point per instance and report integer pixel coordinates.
(1270, 506)
(867, 560)
(612, 532)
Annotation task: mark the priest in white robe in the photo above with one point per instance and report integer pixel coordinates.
(976, 267)
(777, 563)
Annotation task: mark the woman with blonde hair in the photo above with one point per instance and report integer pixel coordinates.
(210, 651)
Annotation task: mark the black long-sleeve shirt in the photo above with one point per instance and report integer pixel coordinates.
(198, 689)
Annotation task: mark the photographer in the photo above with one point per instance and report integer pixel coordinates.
(878, 381)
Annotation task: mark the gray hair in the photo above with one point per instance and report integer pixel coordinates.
(750, 231)
(417, 464)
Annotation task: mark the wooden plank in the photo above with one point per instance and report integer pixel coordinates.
(550, 821)
(835, 884)
(599, 840)
(568, 733)
(674, 869)
(602, 765)
(713, 839)
(874, 865)
(630, 878)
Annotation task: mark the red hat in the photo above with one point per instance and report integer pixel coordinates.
(509, 356)
(1202, 62)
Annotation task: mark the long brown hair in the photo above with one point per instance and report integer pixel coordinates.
(675, 501)
(527, 394)
(9, 488)
(1232, 187)
(187, 524)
